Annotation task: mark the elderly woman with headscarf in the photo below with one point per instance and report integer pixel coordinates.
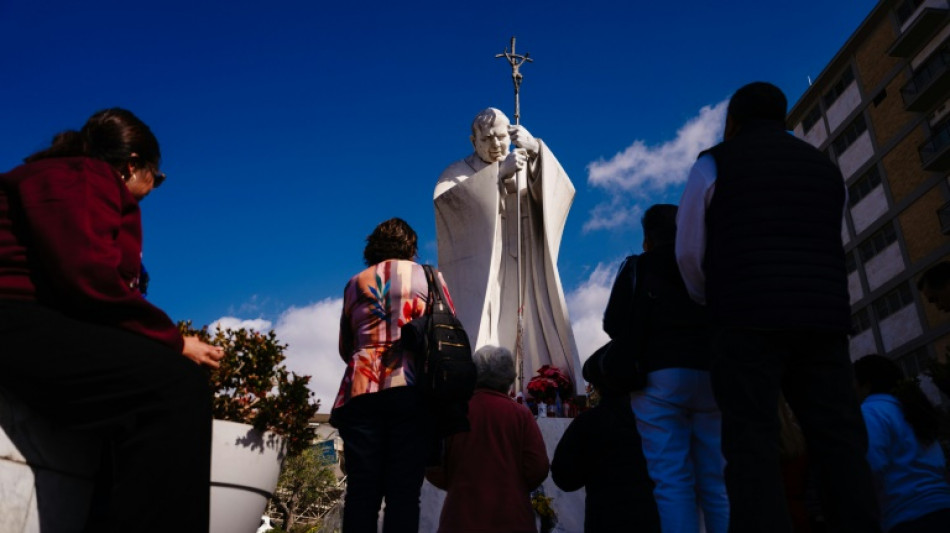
(490, 471)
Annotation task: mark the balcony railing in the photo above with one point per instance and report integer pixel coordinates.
(943, 214)
(930, 83)
(927, 22)
(935, 152)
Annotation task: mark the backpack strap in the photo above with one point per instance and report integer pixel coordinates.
(436, 297)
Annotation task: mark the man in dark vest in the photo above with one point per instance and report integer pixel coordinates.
(759, 242)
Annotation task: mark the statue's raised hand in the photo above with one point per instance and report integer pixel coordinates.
(522, 139)
(512, 163)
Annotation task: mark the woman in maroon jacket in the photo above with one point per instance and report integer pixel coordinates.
(490, 471)
(81, 345)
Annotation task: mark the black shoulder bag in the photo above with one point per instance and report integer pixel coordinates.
(443, 356)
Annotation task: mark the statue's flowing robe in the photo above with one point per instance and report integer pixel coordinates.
(478, 258)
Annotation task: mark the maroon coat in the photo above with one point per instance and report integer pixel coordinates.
(71, 239)
(490, 471)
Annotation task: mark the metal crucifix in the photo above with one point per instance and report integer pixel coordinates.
(516, 61)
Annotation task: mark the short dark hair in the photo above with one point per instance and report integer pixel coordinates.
(758, 101)
(935, 277)
(111, 135)
(659, 224)
(392, 239)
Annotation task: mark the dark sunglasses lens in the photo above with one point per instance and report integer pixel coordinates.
(159, 179)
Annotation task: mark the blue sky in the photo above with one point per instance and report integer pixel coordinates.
(290, 129)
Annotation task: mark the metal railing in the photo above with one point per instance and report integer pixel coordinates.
(925, 75)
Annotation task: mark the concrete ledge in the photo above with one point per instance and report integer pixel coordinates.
(46, 472)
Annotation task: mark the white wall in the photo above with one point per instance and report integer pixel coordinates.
(869, 209)
(847, 102)
(854, 287)
(863, 344)
(815, 136)
(900, 328)
(884, 266)
(856, 155)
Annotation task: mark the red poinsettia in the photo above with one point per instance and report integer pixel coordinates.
(550, 381)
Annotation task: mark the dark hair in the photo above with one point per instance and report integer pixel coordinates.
(111, 135)
(935, 277)
(883, 376)
(393, 239)
(659, 224)
(758, 101)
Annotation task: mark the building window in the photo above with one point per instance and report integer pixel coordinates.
(914, 362)
(861, 321)
(863, 186)
(880, 97)
(893, 302)
(811, 119)
(906, 9)
(876, 243)
(850, 262)
(838, 88)
(850, 134)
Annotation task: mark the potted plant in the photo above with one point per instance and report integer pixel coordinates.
(262, 413)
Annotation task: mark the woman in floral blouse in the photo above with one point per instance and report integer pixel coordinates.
(379, 411)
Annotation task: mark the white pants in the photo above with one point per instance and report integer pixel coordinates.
(680, 426)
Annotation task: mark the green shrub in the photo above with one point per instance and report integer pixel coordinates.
(252, 385)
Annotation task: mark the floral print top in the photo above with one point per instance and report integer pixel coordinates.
(377, 302)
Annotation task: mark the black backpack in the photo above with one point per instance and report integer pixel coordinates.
(444, 368)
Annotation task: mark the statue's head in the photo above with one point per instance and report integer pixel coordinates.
(490, 135)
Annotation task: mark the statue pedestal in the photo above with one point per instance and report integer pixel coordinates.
(569, 505)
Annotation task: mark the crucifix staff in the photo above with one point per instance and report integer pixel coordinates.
(516, 60)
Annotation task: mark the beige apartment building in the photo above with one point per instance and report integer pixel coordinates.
(881, 110)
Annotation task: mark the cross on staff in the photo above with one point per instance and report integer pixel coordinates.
(516, 60)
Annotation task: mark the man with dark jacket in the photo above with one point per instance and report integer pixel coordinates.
(759, 242)
(676, 412)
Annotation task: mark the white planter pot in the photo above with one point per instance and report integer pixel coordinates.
(245, 465)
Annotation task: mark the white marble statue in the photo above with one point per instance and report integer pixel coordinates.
(478, 243)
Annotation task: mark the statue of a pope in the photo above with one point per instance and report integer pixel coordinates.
(475, 209)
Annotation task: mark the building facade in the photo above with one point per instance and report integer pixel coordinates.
(881, 110)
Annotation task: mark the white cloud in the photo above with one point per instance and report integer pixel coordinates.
(632, 175)
(586, 306)
(311, 334)
(230, 322)
(618, 212)
(657, 167)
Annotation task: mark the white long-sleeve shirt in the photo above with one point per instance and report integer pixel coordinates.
(691, 226)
